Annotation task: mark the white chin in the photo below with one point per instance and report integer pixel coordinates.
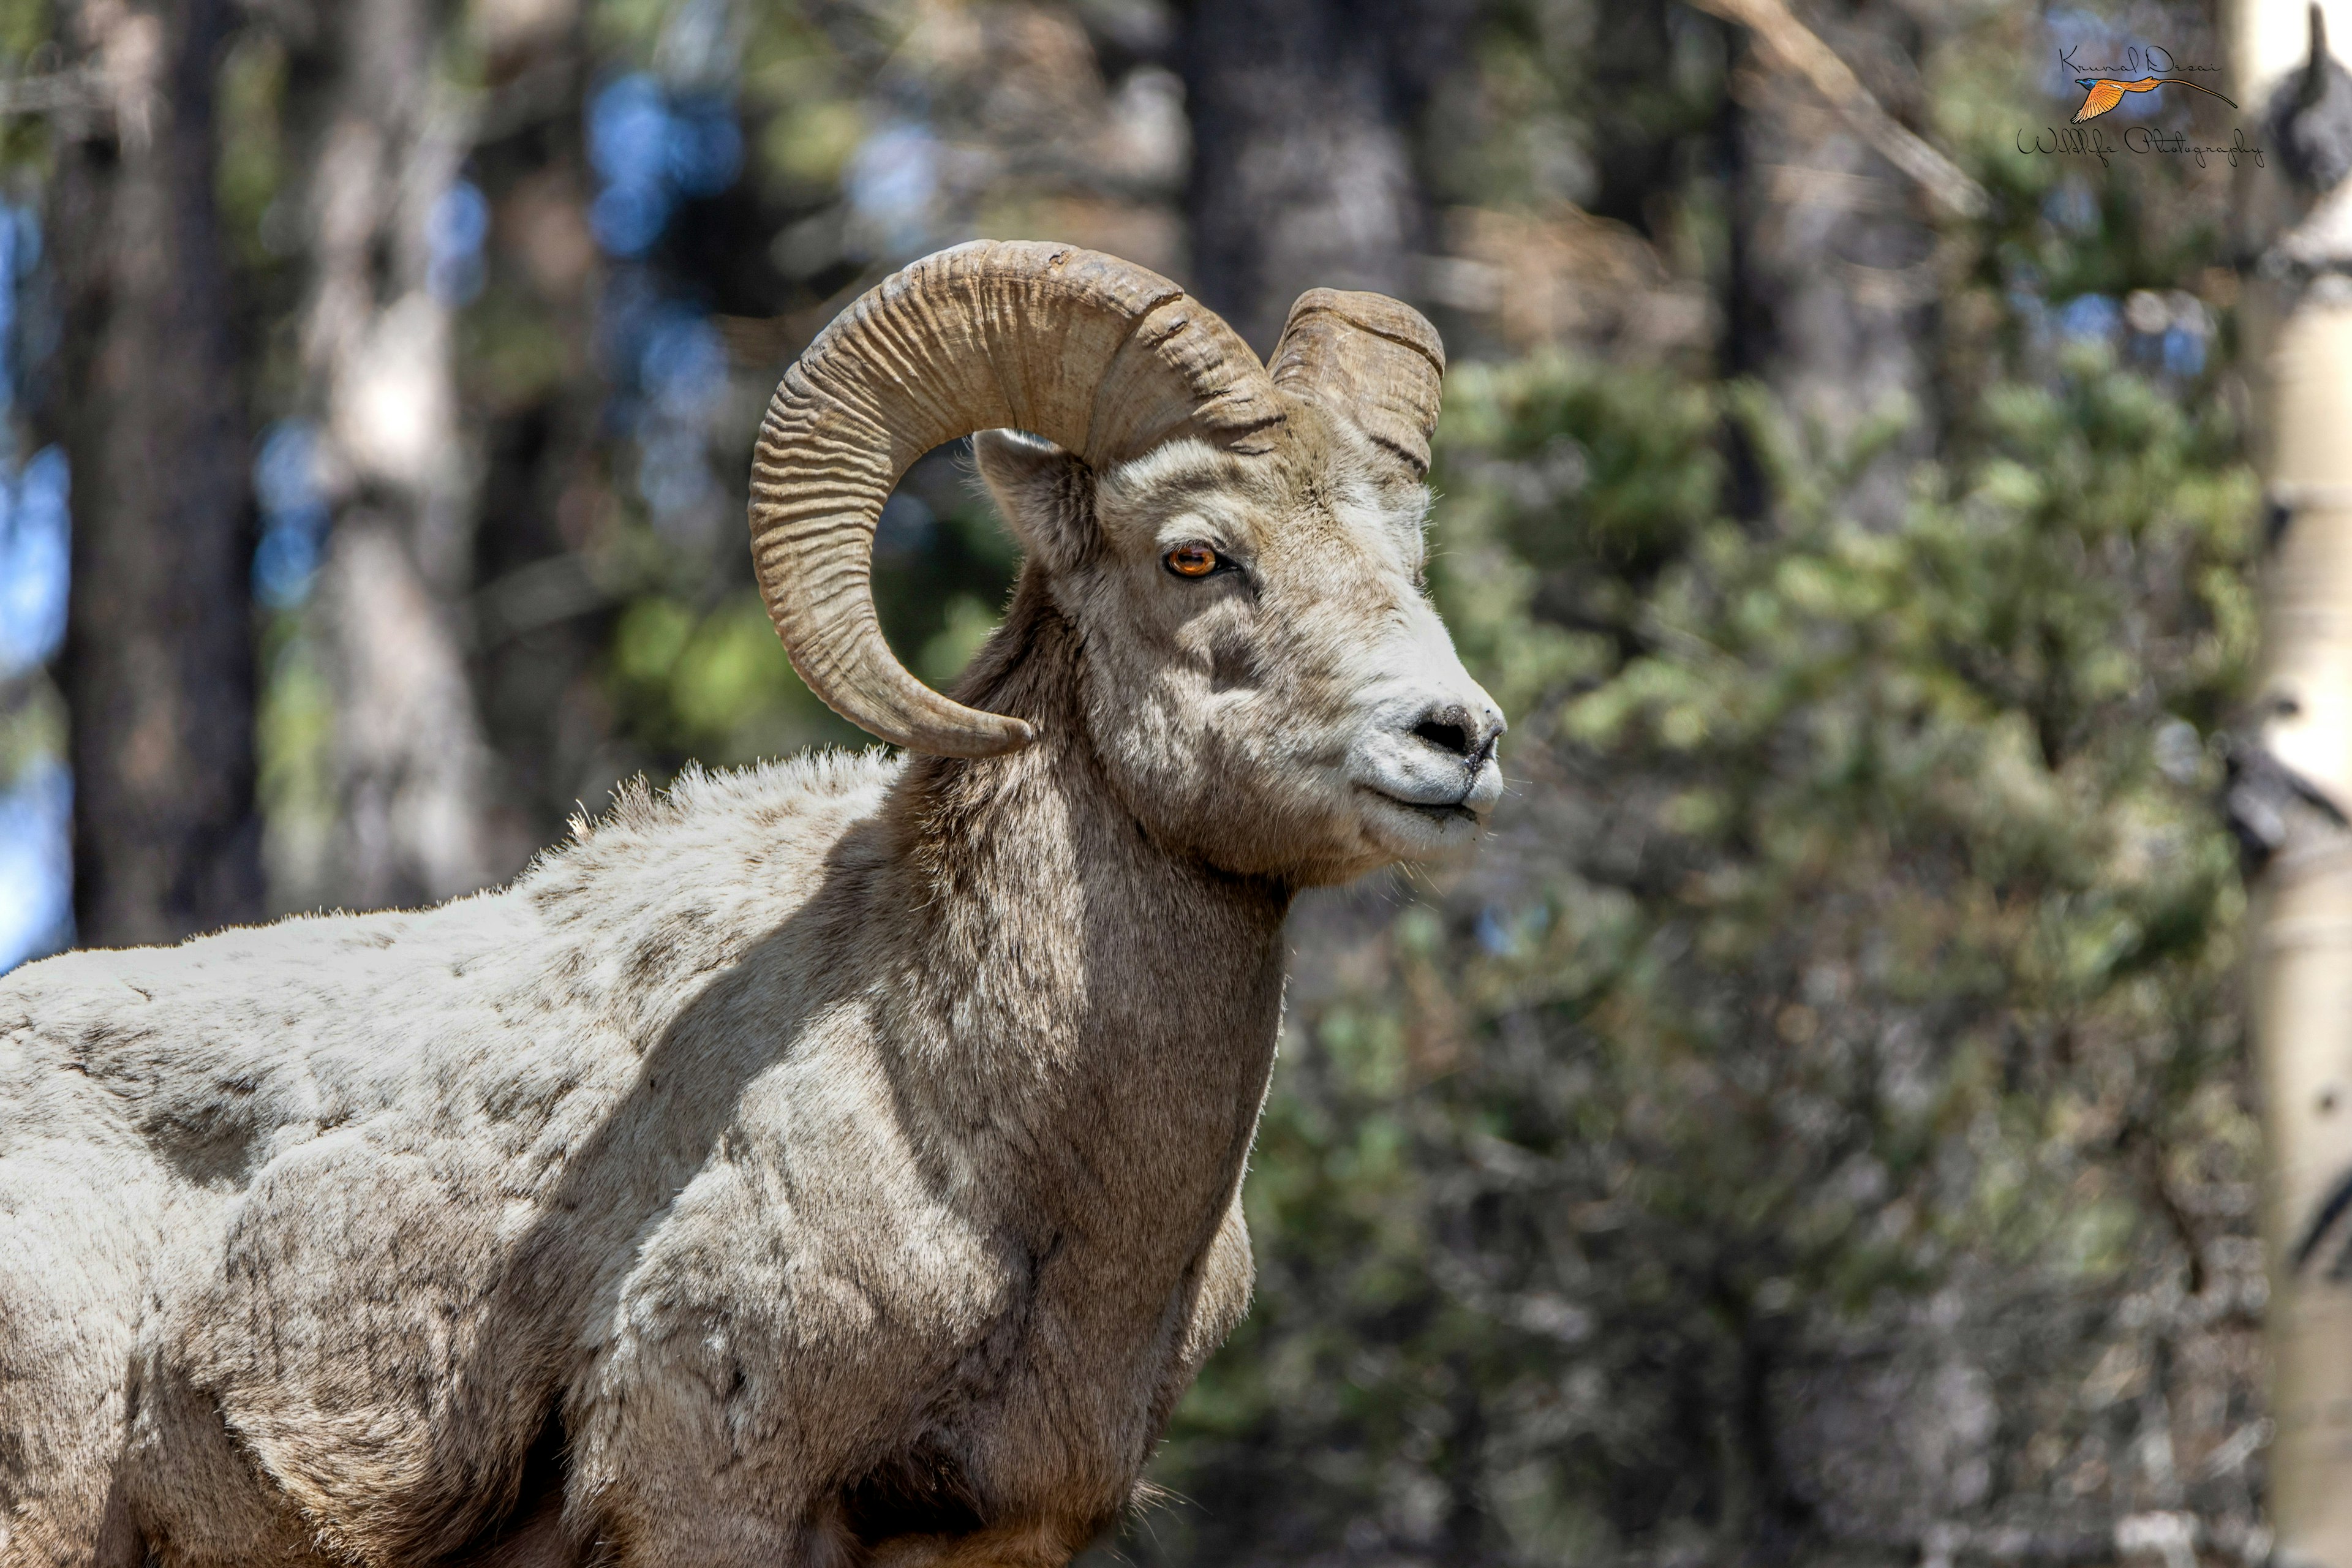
(1417, 832)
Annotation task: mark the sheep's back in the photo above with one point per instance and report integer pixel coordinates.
(222, 1050)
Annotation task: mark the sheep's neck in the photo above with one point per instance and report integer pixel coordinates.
(1101, 1014)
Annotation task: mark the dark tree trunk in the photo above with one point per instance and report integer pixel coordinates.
(542, 626)
(1833, 286)
(158, 665)
(1303, 170)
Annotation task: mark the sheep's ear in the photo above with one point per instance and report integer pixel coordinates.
(1046, 495)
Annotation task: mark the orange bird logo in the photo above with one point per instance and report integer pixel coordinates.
(2104, 92)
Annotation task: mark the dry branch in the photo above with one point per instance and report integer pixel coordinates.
(1793, 47)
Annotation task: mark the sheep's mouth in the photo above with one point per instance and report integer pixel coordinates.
(1439, 812)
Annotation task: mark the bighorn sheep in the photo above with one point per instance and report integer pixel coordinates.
(833, 1162)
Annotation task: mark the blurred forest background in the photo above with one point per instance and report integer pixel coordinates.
(1815, 1130)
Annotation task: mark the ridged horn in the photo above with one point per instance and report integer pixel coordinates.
(1374, 361)
(1096, 354)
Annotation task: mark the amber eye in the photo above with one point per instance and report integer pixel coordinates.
(1191, 561)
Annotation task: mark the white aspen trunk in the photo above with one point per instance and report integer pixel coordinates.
(2294, 790)
(414, 776)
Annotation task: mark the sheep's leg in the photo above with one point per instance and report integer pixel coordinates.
(654, 1473)
(686, 1501)
(66, 1292)
(1041, 1544)
(1218, 1293)
(538, 1541)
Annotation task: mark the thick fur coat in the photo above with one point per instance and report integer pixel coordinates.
(832, 1163)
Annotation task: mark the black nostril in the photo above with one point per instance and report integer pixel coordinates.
(1446, 734)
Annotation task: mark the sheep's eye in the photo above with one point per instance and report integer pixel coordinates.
(1192, 560)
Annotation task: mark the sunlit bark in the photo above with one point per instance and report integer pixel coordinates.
(415, 778)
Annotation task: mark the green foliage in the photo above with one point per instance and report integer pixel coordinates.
(711, 684)
(251, 166)
(32, 728)
(294, 735)
(687, 677)
(806, 80)
(28, 29)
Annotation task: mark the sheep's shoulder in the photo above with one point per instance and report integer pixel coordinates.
(644, 903)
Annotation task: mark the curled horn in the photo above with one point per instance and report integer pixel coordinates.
(1096, 354)
(1370, 359)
